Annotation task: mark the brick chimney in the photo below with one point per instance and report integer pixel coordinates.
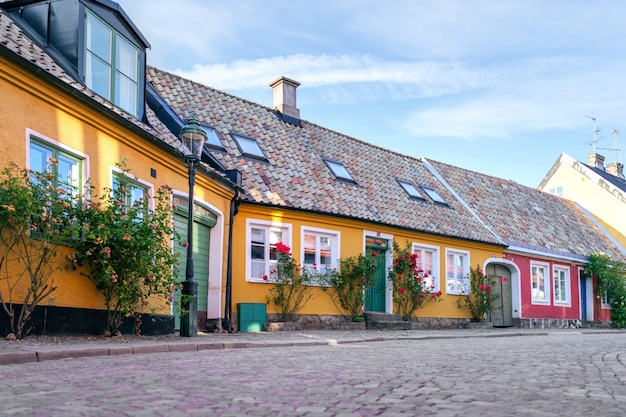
(285, 96)
(596, 160)
(616, 169)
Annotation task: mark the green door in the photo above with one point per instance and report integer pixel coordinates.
(201, 243)
(375, 294)
(502, 314)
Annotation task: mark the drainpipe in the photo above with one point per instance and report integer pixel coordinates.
(234, 176)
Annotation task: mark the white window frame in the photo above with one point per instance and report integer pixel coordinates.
(83, 158)
(547, 279)
(138, 182)
(557, 270)
(434, 278)
(335, 244)
(454, 284)
(285, 228)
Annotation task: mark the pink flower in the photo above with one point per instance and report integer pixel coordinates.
(401, 290)
(482, 287)
(422, 295)
(439, 293)
(185, 245)
(433, 296)
(488, 288)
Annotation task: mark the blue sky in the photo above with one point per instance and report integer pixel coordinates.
(500, 87)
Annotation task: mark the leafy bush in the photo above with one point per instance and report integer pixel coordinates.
(409, 283)
(611, 280)
(479, 299)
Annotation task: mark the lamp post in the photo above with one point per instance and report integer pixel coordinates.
(193, 138)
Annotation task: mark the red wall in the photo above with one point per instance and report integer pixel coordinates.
(546, 311)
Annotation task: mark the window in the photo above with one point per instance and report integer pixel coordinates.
(135, 191)
(457, 271)
(557, 191)
(67, 171)
(261, 255)
(111, 65)
(411, 190)
(607, 301)
(561, 285)
(433, 195)
(539, 283)
(339, 170)
(212, 138)
(320, 250)
(248, 146)
(428, 261)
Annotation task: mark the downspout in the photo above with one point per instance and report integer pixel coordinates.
(227, 325)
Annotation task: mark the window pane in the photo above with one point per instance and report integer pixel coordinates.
(125, 93)
(325, 251)
(68, 174)
(249, 146)
(211, 136)
(126, 58)
(39, 157)
(98, 76)
(98, 38)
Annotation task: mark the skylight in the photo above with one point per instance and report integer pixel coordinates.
(410, 189)
(433, 195)
(212, 138)
(248, 146)
(339, 170)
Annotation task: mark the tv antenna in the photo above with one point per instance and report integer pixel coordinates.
(595, 132)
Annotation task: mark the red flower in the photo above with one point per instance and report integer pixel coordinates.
(439, 293)
(401, 290)
(422, 295)
(488, 288)
(264, 277)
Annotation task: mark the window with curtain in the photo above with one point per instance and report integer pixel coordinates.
(111, 65)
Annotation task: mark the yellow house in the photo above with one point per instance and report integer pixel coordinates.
(328, 196)
(598, 188)
(63, 95)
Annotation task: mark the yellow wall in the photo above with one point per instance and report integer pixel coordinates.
(592, 196)
(351, 244)
(28, 103)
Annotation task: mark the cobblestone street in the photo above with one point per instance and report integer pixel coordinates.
(557, 374)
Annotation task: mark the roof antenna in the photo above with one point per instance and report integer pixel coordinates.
(595, 132)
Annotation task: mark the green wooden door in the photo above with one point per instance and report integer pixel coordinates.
(375, 295)
(502, 314)
(201, 244)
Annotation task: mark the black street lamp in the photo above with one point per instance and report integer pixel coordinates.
(193, 137)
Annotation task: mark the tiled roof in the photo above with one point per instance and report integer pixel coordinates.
(527, 218)
(296, 176)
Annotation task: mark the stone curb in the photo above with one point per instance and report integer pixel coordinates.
(47, 355)
(13, 358)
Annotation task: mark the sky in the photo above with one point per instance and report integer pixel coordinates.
(499, 87)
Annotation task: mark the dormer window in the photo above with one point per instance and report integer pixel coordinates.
(111, 65)
(248, 146)
(411, 190)
(433, 195)
(339, 170)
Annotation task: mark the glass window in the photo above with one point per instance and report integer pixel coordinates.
(411, 190)
(428, 263)
(434, 195)
(561, 286)
(457, 271)
(339, 170)
(248, 146)
(320, 250)
(136, 192)
(261, 249)
(212, 138)
(540, 287)
(114, 76)
(67, 170)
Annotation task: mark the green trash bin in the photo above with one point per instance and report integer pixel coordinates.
(251, 317)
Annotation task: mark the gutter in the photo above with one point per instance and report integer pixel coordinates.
(227, 324)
